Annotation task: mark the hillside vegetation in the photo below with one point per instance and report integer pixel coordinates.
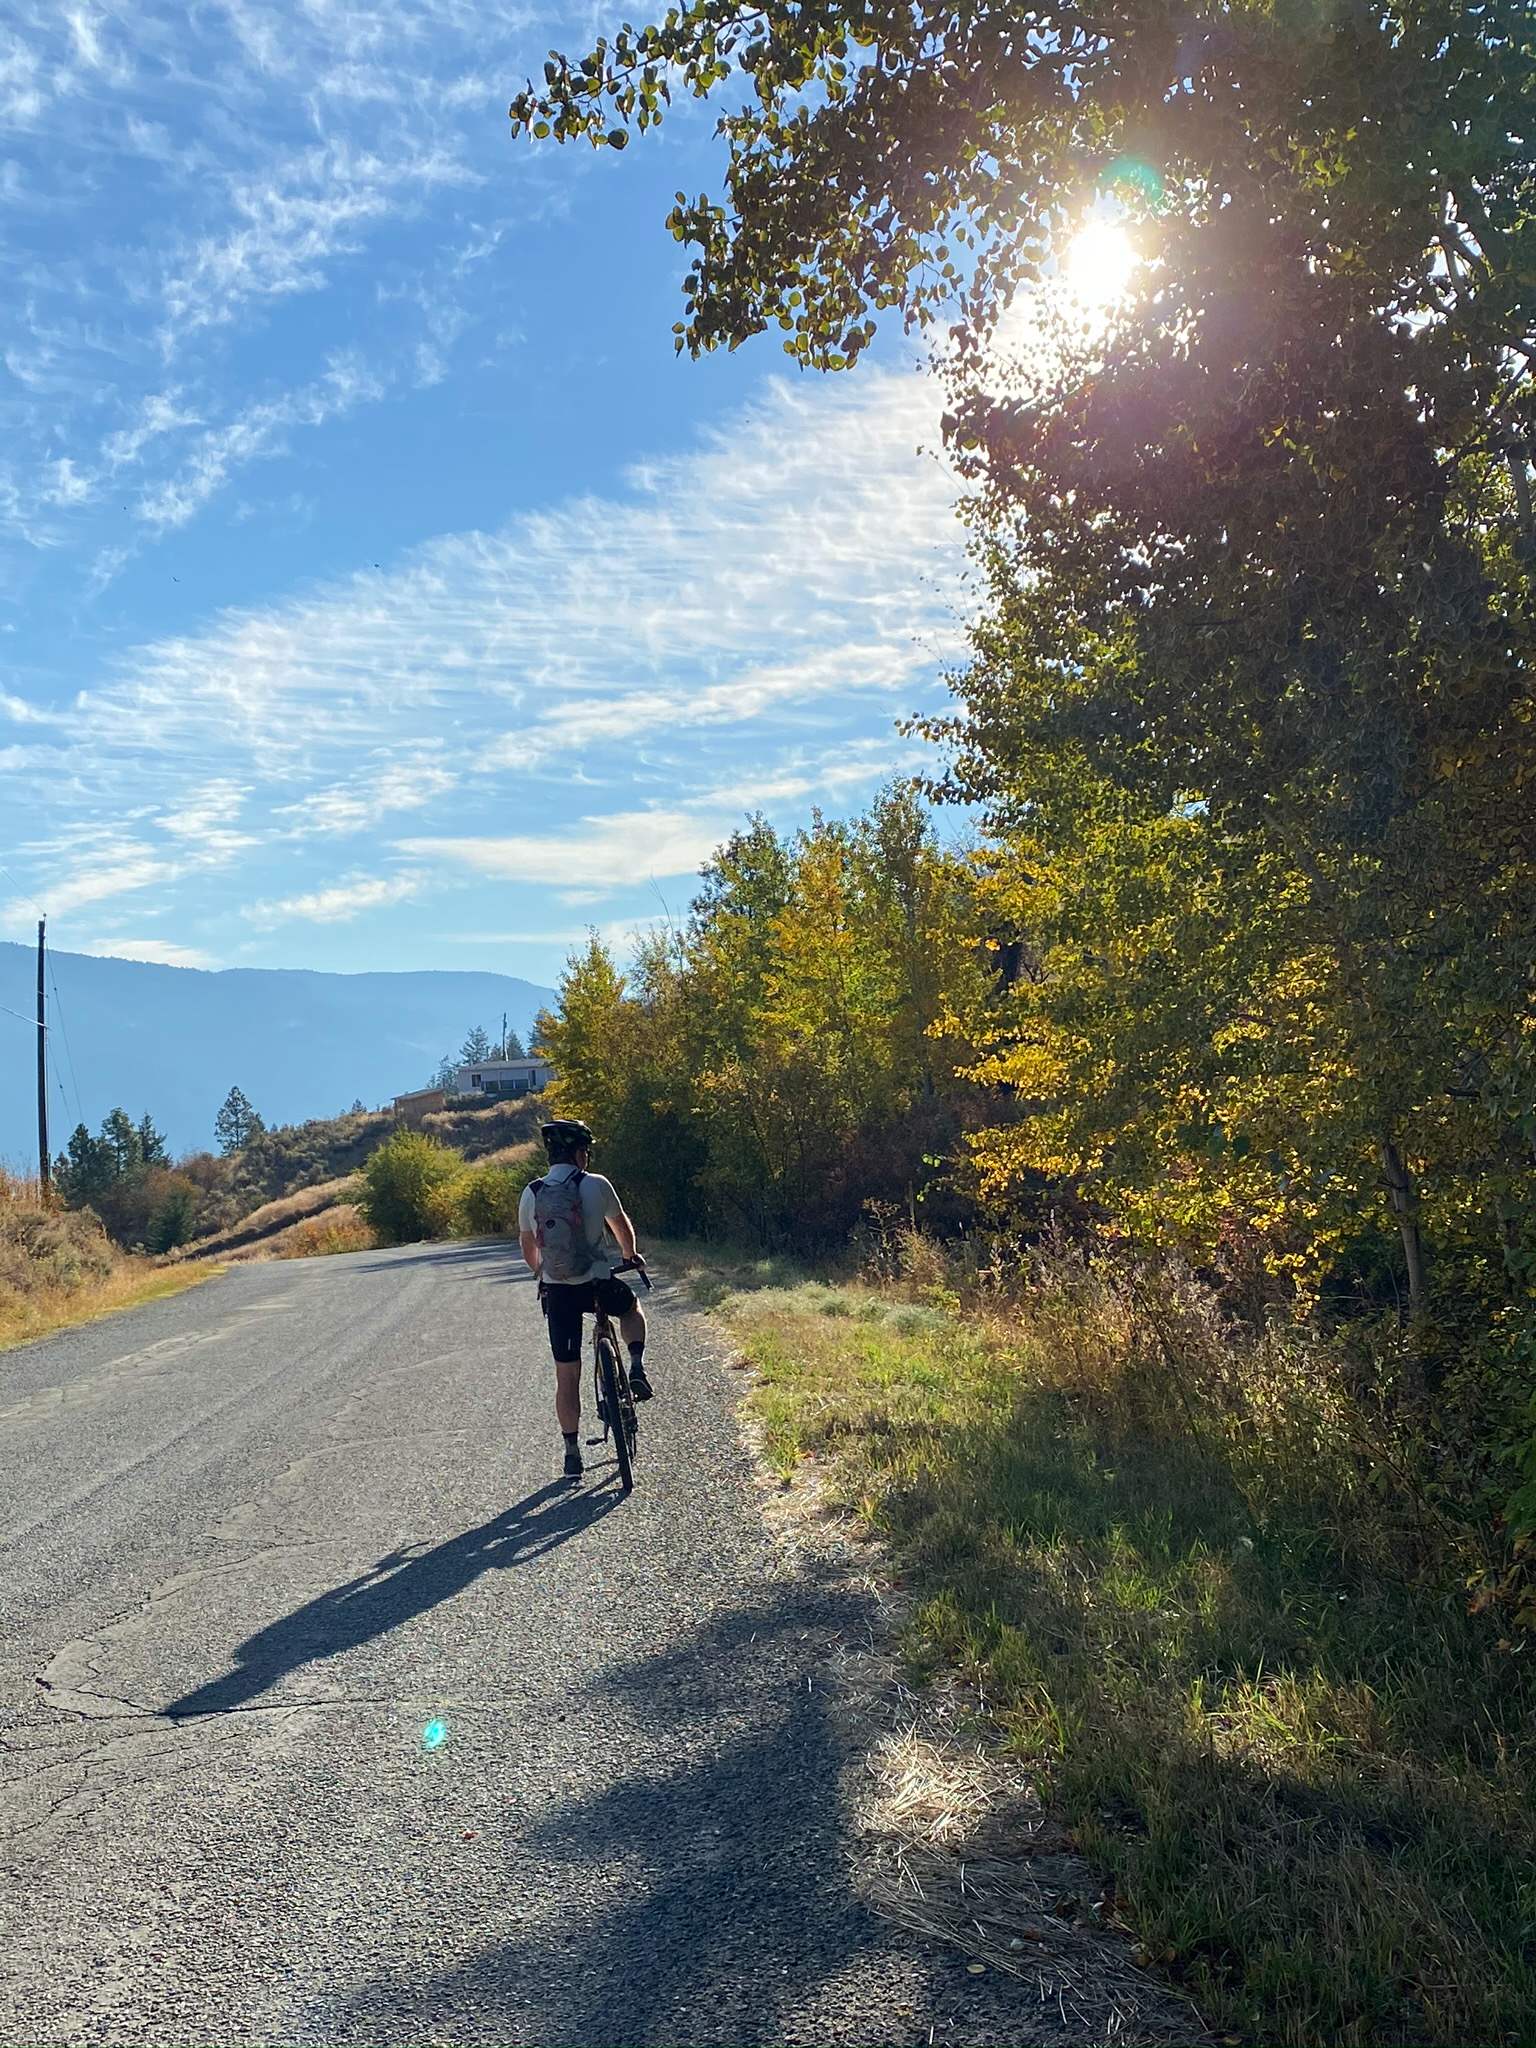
(59, 1267)
(240, 1202)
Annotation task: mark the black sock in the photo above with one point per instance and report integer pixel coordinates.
(637, 1355)
(570, 1436)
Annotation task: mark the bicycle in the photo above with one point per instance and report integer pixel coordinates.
(610, 1386)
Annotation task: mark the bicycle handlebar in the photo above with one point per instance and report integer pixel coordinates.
(634, 1266)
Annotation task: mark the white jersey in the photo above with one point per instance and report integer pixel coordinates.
(599, 1202)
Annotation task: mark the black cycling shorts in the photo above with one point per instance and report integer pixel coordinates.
(565, 1307)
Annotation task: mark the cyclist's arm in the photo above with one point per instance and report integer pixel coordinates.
(617, 1221)
(624, 1231)
(525, 1230)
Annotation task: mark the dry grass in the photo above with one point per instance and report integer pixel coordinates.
(136, 1282)
(339, 1229)
(476, 1132)
(1196, 1610)
(248, 1235)
(512, 1155)
(58, 1268)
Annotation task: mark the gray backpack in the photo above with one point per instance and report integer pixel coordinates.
(561, 1229)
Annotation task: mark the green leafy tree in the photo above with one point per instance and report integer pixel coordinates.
(237, 1123)
(492, 1193)
(778, 1061)
(1259, 557)
(929, 159)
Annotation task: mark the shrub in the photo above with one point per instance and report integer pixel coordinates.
(399, 1184)
(443, 1207)
(491, 1195)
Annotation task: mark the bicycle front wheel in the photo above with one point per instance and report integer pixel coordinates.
(617, 1411)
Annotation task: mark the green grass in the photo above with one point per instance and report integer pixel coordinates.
(1240, 1664)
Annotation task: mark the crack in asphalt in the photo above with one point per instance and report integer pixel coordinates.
(142, 1367)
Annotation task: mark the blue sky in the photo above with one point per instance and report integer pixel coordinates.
(377, 588)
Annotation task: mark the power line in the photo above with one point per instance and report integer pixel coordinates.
(63, 1098)
(58, 1010)
(4, 870)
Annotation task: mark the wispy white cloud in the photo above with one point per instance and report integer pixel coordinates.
(206, 820)
(65, 485)
(718, 637)
(177, 179)
(627, 847)
(374, 793)
(338, 902)
(291, 223)
(115, 872)
(160, 413)
(807, 553)
(22, 711)
(256, 433)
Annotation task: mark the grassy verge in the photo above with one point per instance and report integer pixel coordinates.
(58, 1267)
(40, 1312)
(1197, 1601)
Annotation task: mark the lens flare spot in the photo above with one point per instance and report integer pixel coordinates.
(1134, 174)
(434, 1735)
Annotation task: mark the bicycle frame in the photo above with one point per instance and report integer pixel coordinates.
(608, 1364)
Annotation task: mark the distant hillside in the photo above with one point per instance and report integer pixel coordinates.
(173, 1040)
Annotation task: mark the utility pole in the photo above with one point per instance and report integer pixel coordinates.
(42, 1070)
(503, 1034)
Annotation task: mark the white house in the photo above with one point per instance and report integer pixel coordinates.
(503, 1077)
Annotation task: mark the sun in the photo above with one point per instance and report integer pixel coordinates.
(1099, 264)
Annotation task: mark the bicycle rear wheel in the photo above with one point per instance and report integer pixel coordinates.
(618, 1411)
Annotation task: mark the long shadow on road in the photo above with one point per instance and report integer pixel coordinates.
(699, 1891)
(401, 1585)
(493, 1257)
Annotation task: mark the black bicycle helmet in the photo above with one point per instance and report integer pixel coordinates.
(565, 1136)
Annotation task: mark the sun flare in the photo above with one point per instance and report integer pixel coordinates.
(1100, 263)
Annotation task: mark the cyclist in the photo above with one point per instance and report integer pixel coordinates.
(569, 1223)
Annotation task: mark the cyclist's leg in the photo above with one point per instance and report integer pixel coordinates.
(564, 1308)
(620, 1301)
(568, 1396)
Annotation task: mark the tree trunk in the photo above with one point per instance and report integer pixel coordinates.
(1405, 1207)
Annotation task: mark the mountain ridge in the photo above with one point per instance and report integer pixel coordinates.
(300, 1041)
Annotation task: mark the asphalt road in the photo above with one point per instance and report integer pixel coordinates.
(257, 1539)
